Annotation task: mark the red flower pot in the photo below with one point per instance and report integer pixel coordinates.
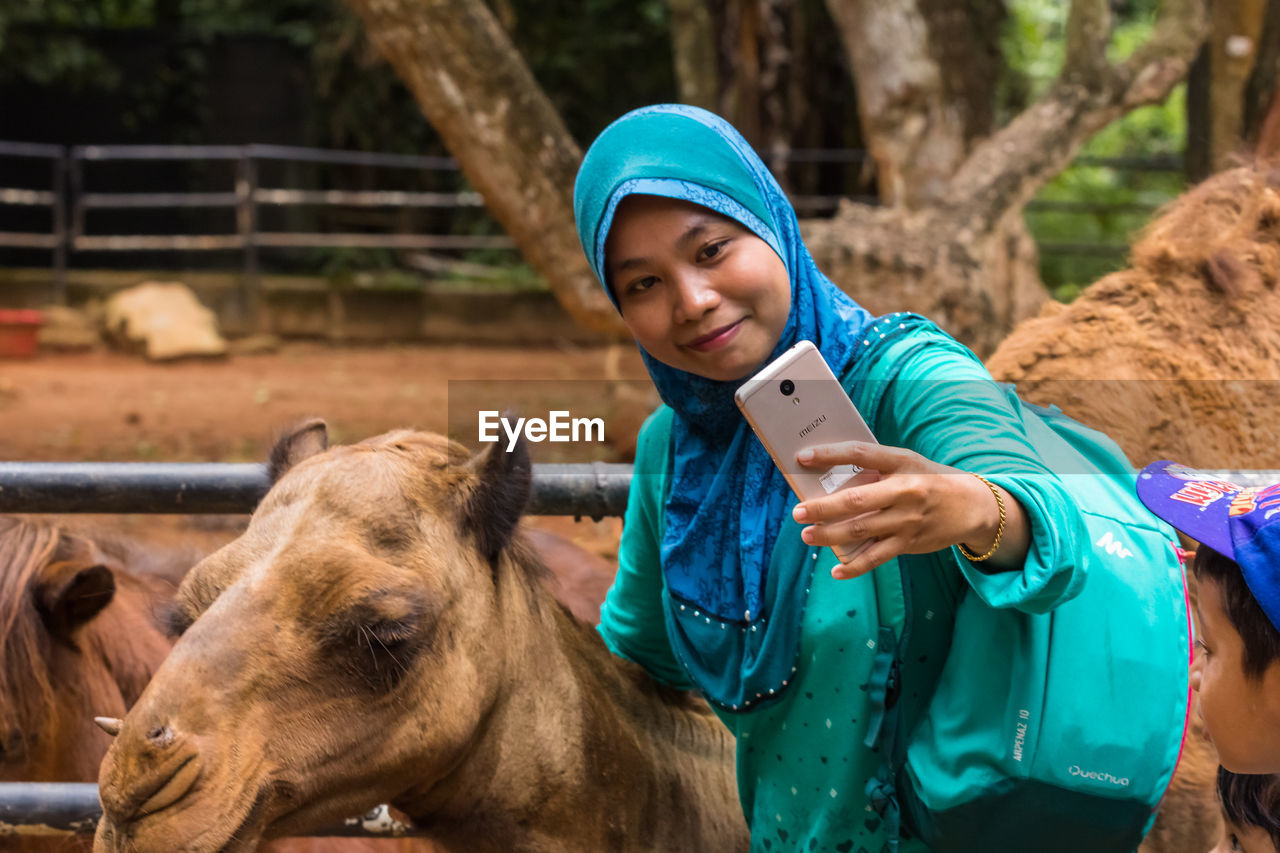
(18, 330)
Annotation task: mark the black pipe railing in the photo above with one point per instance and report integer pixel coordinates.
(594, 489)
(72, 808)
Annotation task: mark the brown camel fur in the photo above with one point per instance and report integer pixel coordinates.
(1177, 357)
(380, 634)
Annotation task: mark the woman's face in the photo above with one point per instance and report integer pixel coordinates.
(700, 292)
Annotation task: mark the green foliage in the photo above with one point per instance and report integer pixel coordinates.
(37, 45)
(1111, 201)
(596, 59)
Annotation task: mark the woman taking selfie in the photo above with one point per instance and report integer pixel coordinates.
(726, 584)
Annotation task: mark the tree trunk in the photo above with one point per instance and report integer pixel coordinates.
(1262, 107)
(693, 47)
(966, 259)
(1235, 30)
(477, 92)
(923, 70)
(975, 280)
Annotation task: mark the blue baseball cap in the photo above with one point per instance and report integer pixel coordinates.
(1239, 522)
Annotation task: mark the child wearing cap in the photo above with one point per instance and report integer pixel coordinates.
(1236, 672)
(1250, 812)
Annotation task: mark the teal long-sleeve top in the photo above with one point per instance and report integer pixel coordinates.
(802, 767)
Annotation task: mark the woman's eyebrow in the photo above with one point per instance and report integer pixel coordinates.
(630, 263)
(692, 235)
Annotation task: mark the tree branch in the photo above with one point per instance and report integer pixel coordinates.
(914, 132)
(1088, 31)
(1006, 170)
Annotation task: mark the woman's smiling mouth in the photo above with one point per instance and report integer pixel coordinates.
(715, 338)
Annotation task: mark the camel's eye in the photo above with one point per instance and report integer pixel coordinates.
(377, 642)
(385, 650)
(389, 634)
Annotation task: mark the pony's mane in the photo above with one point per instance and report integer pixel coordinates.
(26, 691)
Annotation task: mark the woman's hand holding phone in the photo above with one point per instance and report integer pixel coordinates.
(916, 507)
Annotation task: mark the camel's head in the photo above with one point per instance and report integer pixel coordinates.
(341, 646)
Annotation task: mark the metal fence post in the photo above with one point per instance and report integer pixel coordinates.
(246, 224)
(60, 236)
(77, 196)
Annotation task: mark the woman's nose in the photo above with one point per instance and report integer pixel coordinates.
(694, 297)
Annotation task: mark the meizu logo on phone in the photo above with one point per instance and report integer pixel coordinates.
(820, 419)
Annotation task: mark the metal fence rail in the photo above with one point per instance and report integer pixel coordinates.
(54, 199)
(72, 808)
(68, 199)
(593, 489)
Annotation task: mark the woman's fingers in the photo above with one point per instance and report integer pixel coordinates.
(879, 457)
(846, 503)
(876, 554)
(872, 525)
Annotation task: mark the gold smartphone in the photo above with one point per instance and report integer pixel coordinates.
(796, 402)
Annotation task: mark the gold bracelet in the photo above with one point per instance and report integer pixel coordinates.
(999, 530)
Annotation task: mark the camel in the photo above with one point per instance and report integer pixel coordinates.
(1176, 357)
(380, 633)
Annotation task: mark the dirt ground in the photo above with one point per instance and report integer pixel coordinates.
(104, 406)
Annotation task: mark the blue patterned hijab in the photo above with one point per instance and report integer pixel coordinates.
(728, 500)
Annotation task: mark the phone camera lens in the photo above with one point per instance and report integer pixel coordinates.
(787, 387)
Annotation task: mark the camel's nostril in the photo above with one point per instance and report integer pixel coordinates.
(160, 736)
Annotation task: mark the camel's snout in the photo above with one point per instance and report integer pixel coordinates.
(147, 780)
(179, 781)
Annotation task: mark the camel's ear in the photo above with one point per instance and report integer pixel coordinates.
(497, 499)
(73, 588)
(303, 441)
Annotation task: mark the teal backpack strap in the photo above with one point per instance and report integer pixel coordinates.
(887, 343)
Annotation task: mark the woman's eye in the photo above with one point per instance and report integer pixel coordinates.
(712, 250)
(641, 285)
(1202, 647)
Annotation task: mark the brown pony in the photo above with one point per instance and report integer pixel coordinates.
(381, 633)
(79, 634)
